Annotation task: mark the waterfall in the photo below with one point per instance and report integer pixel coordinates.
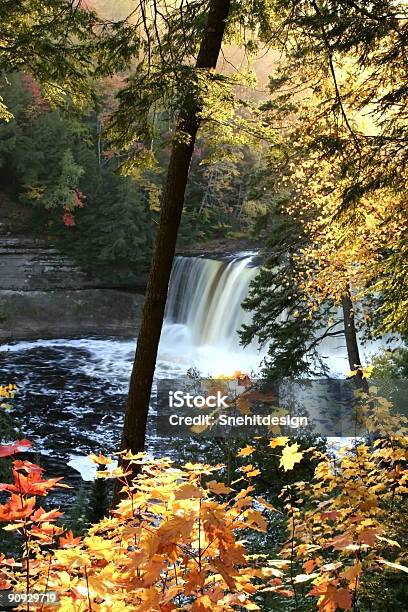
(204, 314)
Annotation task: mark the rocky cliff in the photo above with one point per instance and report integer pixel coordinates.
(44, 295)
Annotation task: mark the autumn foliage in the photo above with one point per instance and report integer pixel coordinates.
(177, 539)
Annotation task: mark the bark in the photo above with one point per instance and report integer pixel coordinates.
(350, 333)
(137, 407)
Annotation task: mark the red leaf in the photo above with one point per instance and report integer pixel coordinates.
(69, 219)
(16, 447)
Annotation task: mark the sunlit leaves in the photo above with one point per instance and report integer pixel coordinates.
(179, 533)
(290, 456)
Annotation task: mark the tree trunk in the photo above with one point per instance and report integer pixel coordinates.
(350, 333)
(137, 407)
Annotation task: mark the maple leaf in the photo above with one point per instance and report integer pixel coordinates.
(309, 565)
(195, 581)
(368, 536)
(11, 449)
(265, 504)
(218, 487)
(40, 515)
(202, 604)
(352, 572)
(17, 508)
(32, 484)
(255, 519)
(100, 547)
(280, 441)
(100, 459)
(188, 491)
(290, 456)
(300, 578)
(343, 599)
(341, 541)
(70, 557)
(244, 452)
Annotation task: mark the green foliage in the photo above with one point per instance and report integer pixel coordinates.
(62, 194)
(49, 160)
(100, 500)
(53, 41)
(77, 517)
(390, 364)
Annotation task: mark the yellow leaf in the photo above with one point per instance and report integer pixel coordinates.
(265, 504)
(256, 520)
(290, 456)
(244, 452)
(253, 473)
(100, 459)
(100, 547)
(351, 573)
(280, 441)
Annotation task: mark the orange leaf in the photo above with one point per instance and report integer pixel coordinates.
(202, 604)
(218, 487)
(68, 540)
(280, 441)
(344, 599)
(367, 536)
(17, 508)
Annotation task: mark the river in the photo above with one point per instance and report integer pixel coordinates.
(72, 391)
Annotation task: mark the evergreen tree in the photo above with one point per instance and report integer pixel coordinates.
(49, 162)
(281, 314)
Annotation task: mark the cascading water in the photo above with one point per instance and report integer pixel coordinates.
(204, 314)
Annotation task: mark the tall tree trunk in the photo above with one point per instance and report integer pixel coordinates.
(137, 407)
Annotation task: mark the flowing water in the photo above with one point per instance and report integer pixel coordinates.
(72, 391)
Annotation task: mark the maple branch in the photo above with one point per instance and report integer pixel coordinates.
(87, 586)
